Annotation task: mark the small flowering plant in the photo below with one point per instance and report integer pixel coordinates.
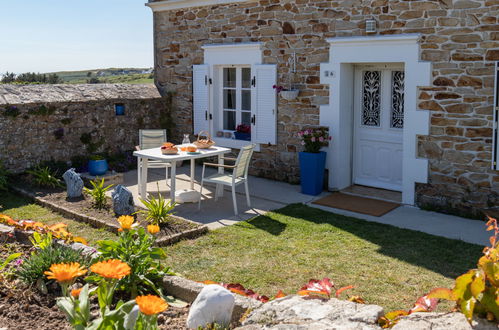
(243, 128)
(314, 139)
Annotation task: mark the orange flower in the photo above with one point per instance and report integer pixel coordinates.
(126, 222)
(65, 273)
(111, 268)
(76, 292)
(150, 305)
(153, 229)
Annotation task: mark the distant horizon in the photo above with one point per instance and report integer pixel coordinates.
(55, 36)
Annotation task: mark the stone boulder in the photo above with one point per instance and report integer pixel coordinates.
(74, 183)
(214, 304)
(441, 321)
(122, 200)
(296, 312)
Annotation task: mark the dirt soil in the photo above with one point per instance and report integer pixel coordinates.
(24, 307)
(84, 205)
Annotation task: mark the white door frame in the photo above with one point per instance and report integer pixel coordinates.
(338, 115)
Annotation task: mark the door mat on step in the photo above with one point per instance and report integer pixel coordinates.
(357, 204)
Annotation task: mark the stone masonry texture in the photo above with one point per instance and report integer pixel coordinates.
(460, 38)
(30, 116)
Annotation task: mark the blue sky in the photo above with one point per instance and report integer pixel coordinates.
(66, 35)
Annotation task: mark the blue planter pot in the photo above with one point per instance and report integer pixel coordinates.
(242, 136)
(312, 172)
(97, 167)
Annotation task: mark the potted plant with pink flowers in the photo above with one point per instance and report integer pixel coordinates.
(313, 160)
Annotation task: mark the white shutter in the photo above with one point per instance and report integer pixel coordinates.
(200, 97)
(495, 137)
(265, 101)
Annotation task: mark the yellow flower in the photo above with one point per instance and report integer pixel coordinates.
(126, 222)
(65, 273)
(111, 268)
(76, 292)
(150, 305)
(153, 229)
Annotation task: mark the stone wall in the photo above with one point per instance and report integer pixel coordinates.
(460, 38)
(45, 122)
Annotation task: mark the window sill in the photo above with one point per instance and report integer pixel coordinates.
(233, 143)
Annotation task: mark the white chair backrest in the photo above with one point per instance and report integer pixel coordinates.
(151, 138)
(243, 161)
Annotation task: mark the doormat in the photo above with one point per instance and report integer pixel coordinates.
(357, 204)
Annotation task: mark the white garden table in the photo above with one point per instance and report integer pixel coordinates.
(155, 154)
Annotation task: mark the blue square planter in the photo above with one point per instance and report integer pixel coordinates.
(242, 136)
(312, 167)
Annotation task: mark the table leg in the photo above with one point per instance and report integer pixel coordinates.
(173, 179)
(139, 169)
(143, 178)
(193, 169)
(220, 188)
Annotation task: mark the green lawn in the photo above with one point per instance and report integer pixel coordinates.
(20, 208)
(388, 266)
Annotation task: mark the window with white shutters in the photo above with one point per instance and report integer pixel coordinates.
(231, 90)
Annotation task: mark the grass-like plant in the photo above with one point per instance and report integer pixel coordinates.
(33, 268)
(98, 193)
(4, 176)
(44, 177)
(158, 210)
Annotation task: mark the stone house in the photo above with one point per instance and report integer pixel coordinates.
(407, 88)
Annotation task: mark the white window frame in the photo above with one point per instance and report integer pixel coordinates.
(225, 55)
(239, 109)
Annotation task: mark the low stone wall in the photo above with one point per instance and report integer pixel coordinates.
(49, 122)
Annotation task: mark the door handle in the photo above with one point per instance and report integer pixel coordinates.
(253, 120)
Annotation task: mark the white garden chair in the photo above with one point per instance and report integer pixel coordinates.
(152, 138)
(238, 176)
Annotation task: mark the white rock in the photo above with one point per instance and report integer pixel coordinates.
(214, 304)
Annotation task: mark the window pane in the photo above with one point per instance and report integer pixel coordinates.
(246, 118)
(229, 98)
(371, 100)
(230, 77)
(230, 120)
(246, 73)
(246, 100)
(397, 118)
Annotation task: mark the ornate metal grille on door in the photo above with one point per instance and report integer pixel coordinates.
(371, 103)
(397, 113)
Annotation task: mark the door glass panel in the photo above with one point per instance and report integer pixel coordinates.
(230, 77)
(371, 98)
(229, 120)
(246, 77)
(229, 98)
(397, 113)
(246, 100)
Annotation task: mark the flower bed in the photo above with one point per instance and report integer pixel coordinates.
(25, 307)
(81, 209)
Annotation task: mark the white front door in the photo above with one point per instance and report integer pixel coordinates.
(378, 126)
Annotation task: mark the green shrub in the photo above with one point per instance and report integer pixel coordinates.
(45, 177)
(135, 247)
(32, 268)
(4, 177)
(98, 193)
(158, 210)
